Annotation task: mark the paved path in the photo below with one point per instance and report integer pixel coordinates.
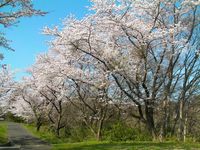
(19, 136)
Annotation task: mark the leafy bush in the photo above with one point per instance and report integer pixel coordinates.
(122, 132)
(9, 116)
(79, 134)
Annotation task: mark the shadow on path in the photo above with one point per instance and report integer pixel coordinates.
(19, 136)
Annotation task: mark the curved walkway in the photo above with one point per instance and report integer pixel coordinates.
(19, 136)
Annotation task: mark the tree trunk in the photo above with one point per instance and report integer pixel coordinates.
(58, 127)
(99, 132)
(161, 134)
(150, 121)
(185, 128)
(180, 129)
(58, 132)
(164, 121)
(38, 122)
(38, 125)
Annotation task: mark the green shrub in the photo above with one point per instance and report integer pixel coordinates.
(79, 134)
(9, 116)
(142, 135)
(122, 132)
(171, 138)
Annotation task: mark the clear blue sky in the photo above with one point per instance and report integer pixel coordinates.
(26, 37)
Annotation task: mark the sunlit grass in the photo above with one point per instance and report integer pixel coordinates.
(126, 146)
(3, 133)
(63, 144)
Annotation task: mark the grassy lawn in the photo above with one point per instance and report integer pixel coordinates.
(3, 133)
(63, 144)
(126, 146)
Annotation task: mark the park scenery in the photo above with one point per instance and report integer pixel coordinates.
(100, 74)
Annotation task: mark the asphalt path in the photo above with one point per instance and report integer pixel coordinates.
(20, 137)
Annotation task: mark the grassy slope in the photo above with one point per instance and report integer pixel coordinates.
(126, 146)
(3, 133)
(61, 144)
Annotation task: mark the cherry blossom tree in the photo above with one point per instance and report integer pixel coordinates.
(36, 104)
(60, 82)
(139, 53)
(11, 12)
(51, 87)
(7, 85)
(139, 46)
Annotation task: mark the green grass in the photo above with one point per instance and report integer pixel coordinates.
(63, 144)
(126, 146)
(3, 133)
